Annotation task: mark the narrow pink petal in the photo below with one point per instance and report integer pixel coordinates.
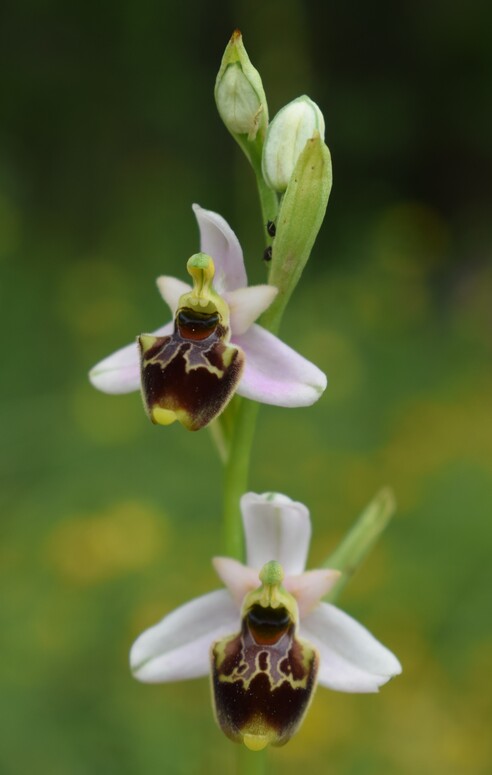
(178, 647)
(171, 289)
(351, 659)
(247, 304)
(238, 578)
(274, 373)
(308, 588)
(219, 241)
(120, 372)
(276, 528)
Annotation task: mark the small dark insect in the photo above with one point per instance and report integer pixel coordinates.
(267, 255)
(271, 228)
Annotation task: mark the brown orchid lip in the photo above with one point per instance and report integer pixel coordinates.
(263, 678)
(191, 374)
(196, 325)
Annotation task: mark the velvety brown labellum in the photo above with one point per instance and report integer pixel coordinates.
(192, 373)
(263, 678)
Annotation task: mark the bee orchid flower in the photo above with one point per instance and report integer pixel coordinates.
(266, 639)
(189, 368)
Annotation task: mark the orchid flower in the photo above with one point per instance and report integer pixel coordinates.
(266, 639)
(190, 367)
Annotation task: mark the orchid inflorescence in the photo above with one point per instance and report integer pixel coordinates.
(267, 638)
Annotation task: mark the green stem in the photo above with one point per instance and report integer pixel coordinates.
(236, 475)
(268, 198)
(268, 202)
(359, 541)
(251, 762)
(217, 432)
(242, 411)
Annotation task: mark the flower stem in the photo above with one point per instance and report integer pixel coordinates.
(236, 474)
(243, 414)
(219, 438)
(359, 541)
(251, 763)
(268, 202)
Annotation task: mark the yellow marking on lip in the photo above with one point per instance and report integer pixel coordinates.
(146, 342)
(208, 366)
(163, 416)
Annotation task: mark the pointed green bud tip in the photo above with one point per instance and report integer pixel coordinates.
(287, 135)
(239, 93)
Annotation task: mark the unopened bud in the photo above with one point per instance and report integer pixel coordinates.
(239, 93)
(287, 135)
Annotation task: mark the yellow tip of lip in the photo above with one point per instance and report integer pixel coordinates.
(147, 341)
(163, 416)
(255, 742)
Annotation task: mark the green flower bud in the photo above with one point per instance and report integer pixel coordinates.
(239, 93)
(287, 135)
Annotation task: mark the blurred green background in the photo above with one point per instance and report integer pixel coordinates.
(108, 133)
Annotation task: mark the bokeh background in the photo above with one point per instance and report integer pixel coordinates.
(108, 133)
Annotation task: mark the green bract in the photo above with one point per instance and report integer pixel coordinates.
(300, 217)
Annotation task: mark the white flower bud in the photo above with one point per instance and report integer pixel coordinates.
(239, 92)
(237, 102)
(287, 135)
